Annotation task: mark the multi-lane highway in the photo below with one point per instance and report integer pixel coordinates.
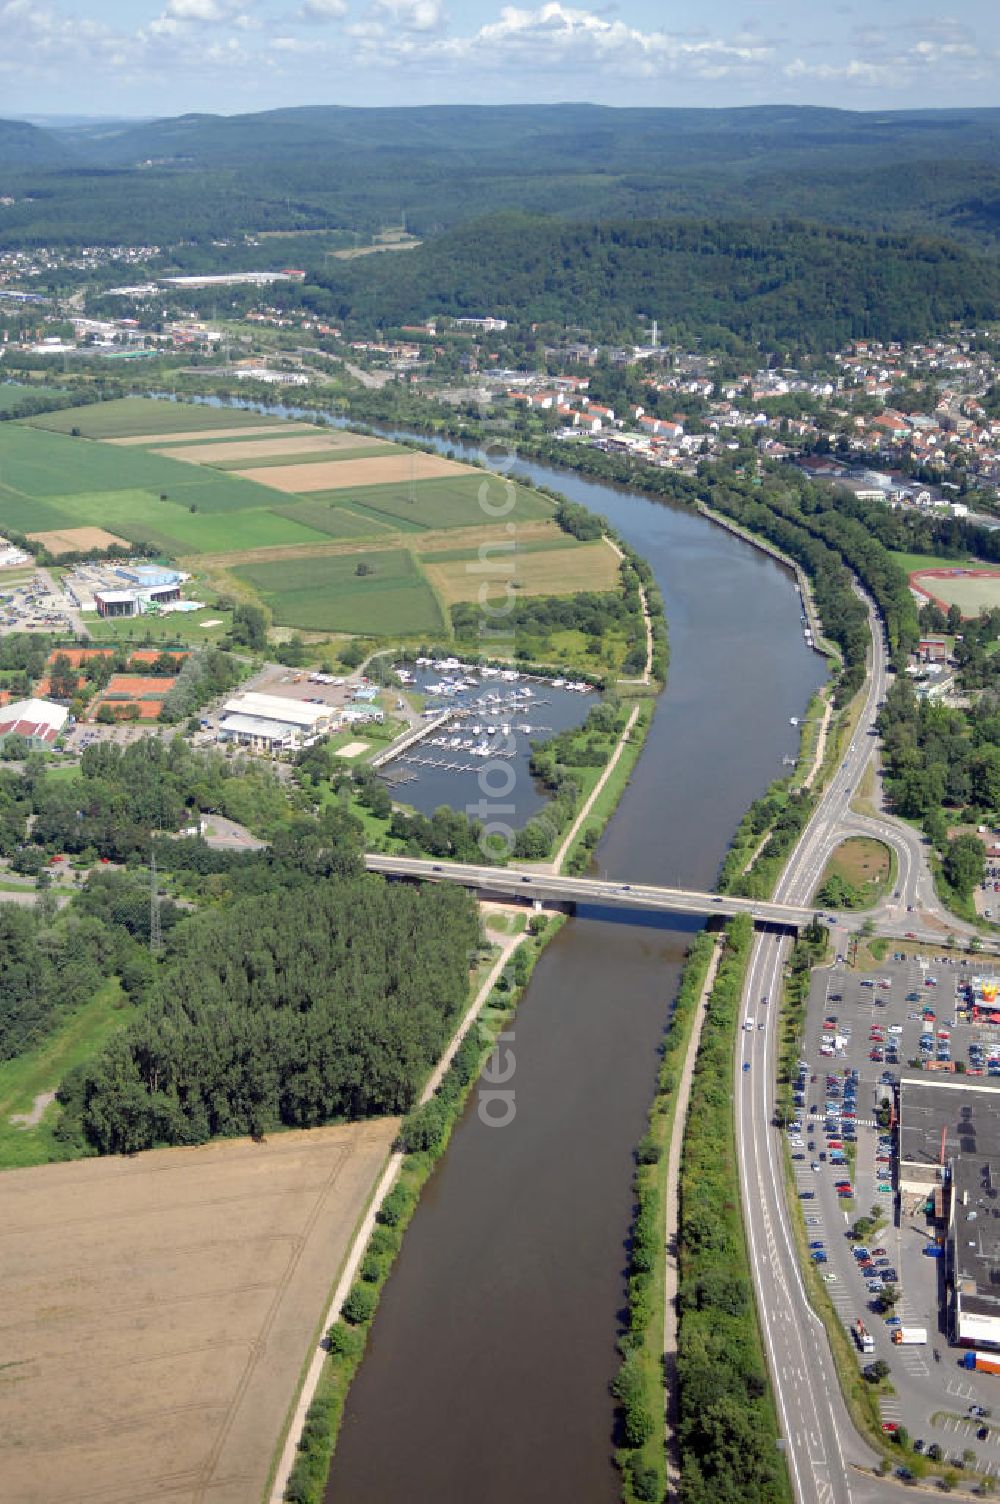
(823, 1448)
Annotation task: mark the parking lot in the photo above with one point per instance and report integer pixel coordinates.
(34, 605)
(862, 1031)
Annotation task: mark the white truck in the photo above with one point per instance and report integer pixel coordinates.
(863, 1337)
(909, 1334)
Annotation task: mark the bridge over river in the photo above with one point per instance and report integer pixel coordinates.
(511, 882)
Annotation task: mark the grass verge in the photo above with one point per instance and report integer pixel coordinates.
(40, 1070)
(639, 1385)
(728, 1427)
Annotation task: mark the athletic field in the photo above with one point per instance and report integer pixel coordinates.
(973, 591)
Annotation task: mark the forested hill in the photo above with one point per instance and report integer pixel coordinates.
(806, 285)
(358, 170)
(25, 146)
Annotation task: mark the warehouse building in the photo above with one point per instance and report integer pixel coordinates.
(949, 1150)
(269, 723)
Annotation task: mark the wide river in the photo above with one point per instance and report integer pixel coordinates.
(488, 1370)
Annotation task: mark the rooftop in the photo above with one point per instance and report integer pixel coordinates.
(965, 1110)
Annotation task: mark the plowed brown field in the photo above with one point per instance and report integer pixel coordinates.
(340, 474)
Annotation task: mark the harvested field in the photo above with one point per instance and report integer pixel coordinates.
(77, 540)
(341, 474)
(201, 436)
(548, 571)
(252, 449)
(157, 1311)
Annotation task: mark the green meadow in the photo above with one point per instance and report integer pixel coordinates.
(327, 594)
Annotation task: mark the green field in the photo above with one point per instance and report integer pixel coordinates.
(327, 595)
(127, 417)
(34, 463)
(910, 562)
(451, 501)
(13, 394)
(335, 522)
(141, 516)
(121, 490)
(174, 627)
(41, 1070)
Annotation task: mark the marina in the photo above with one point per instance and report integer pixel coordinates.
(476, 717)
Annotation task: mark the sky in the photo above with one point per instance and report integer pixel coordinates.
(166, 57)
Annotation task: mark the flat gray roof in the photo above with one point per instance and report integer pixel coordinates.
(966, 1109)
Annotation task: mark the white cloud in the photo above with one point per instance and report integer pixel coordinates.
(411, 15)
(195, 10)
(556, 36)
(320, 11)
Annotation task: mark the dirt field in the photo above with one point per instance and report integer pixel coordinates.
(339, 475)
(550, 571)
(971, 590)
(262, 449)
(76, 540)
(157, 1312)
(199, 435)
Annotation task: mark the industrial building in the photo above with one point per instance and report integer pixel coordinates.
(269, 723)
(38, 721)
(949, 1150)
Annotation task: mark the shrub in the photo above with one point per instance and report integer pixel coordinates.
(360, 1305)
(344, 1341)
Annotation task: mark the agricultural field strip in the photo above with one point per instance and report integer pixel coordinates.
(157, 1310)
(263, 448)
(144, 416)
(551, 571)
(207, 435)
(479, 537)
(341, 474)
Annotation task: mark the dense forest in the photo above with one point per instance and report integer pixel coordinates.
(783, 283)
(291, 1008)
(206, 176)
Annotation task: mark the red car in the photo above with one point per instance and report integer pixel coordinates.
(890, 1427)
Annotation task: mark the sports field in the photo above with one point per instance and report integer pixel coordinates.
(157, 1311)
(971, 590)
(326, 594)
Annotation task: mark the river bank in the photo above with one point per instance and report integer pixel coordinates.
(310, 1434)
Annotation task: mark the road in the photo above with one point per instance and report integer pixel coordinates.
(820, 1439)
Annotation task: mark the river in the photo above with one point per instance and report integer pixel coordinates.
(490, 1359)
(488, 1369)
